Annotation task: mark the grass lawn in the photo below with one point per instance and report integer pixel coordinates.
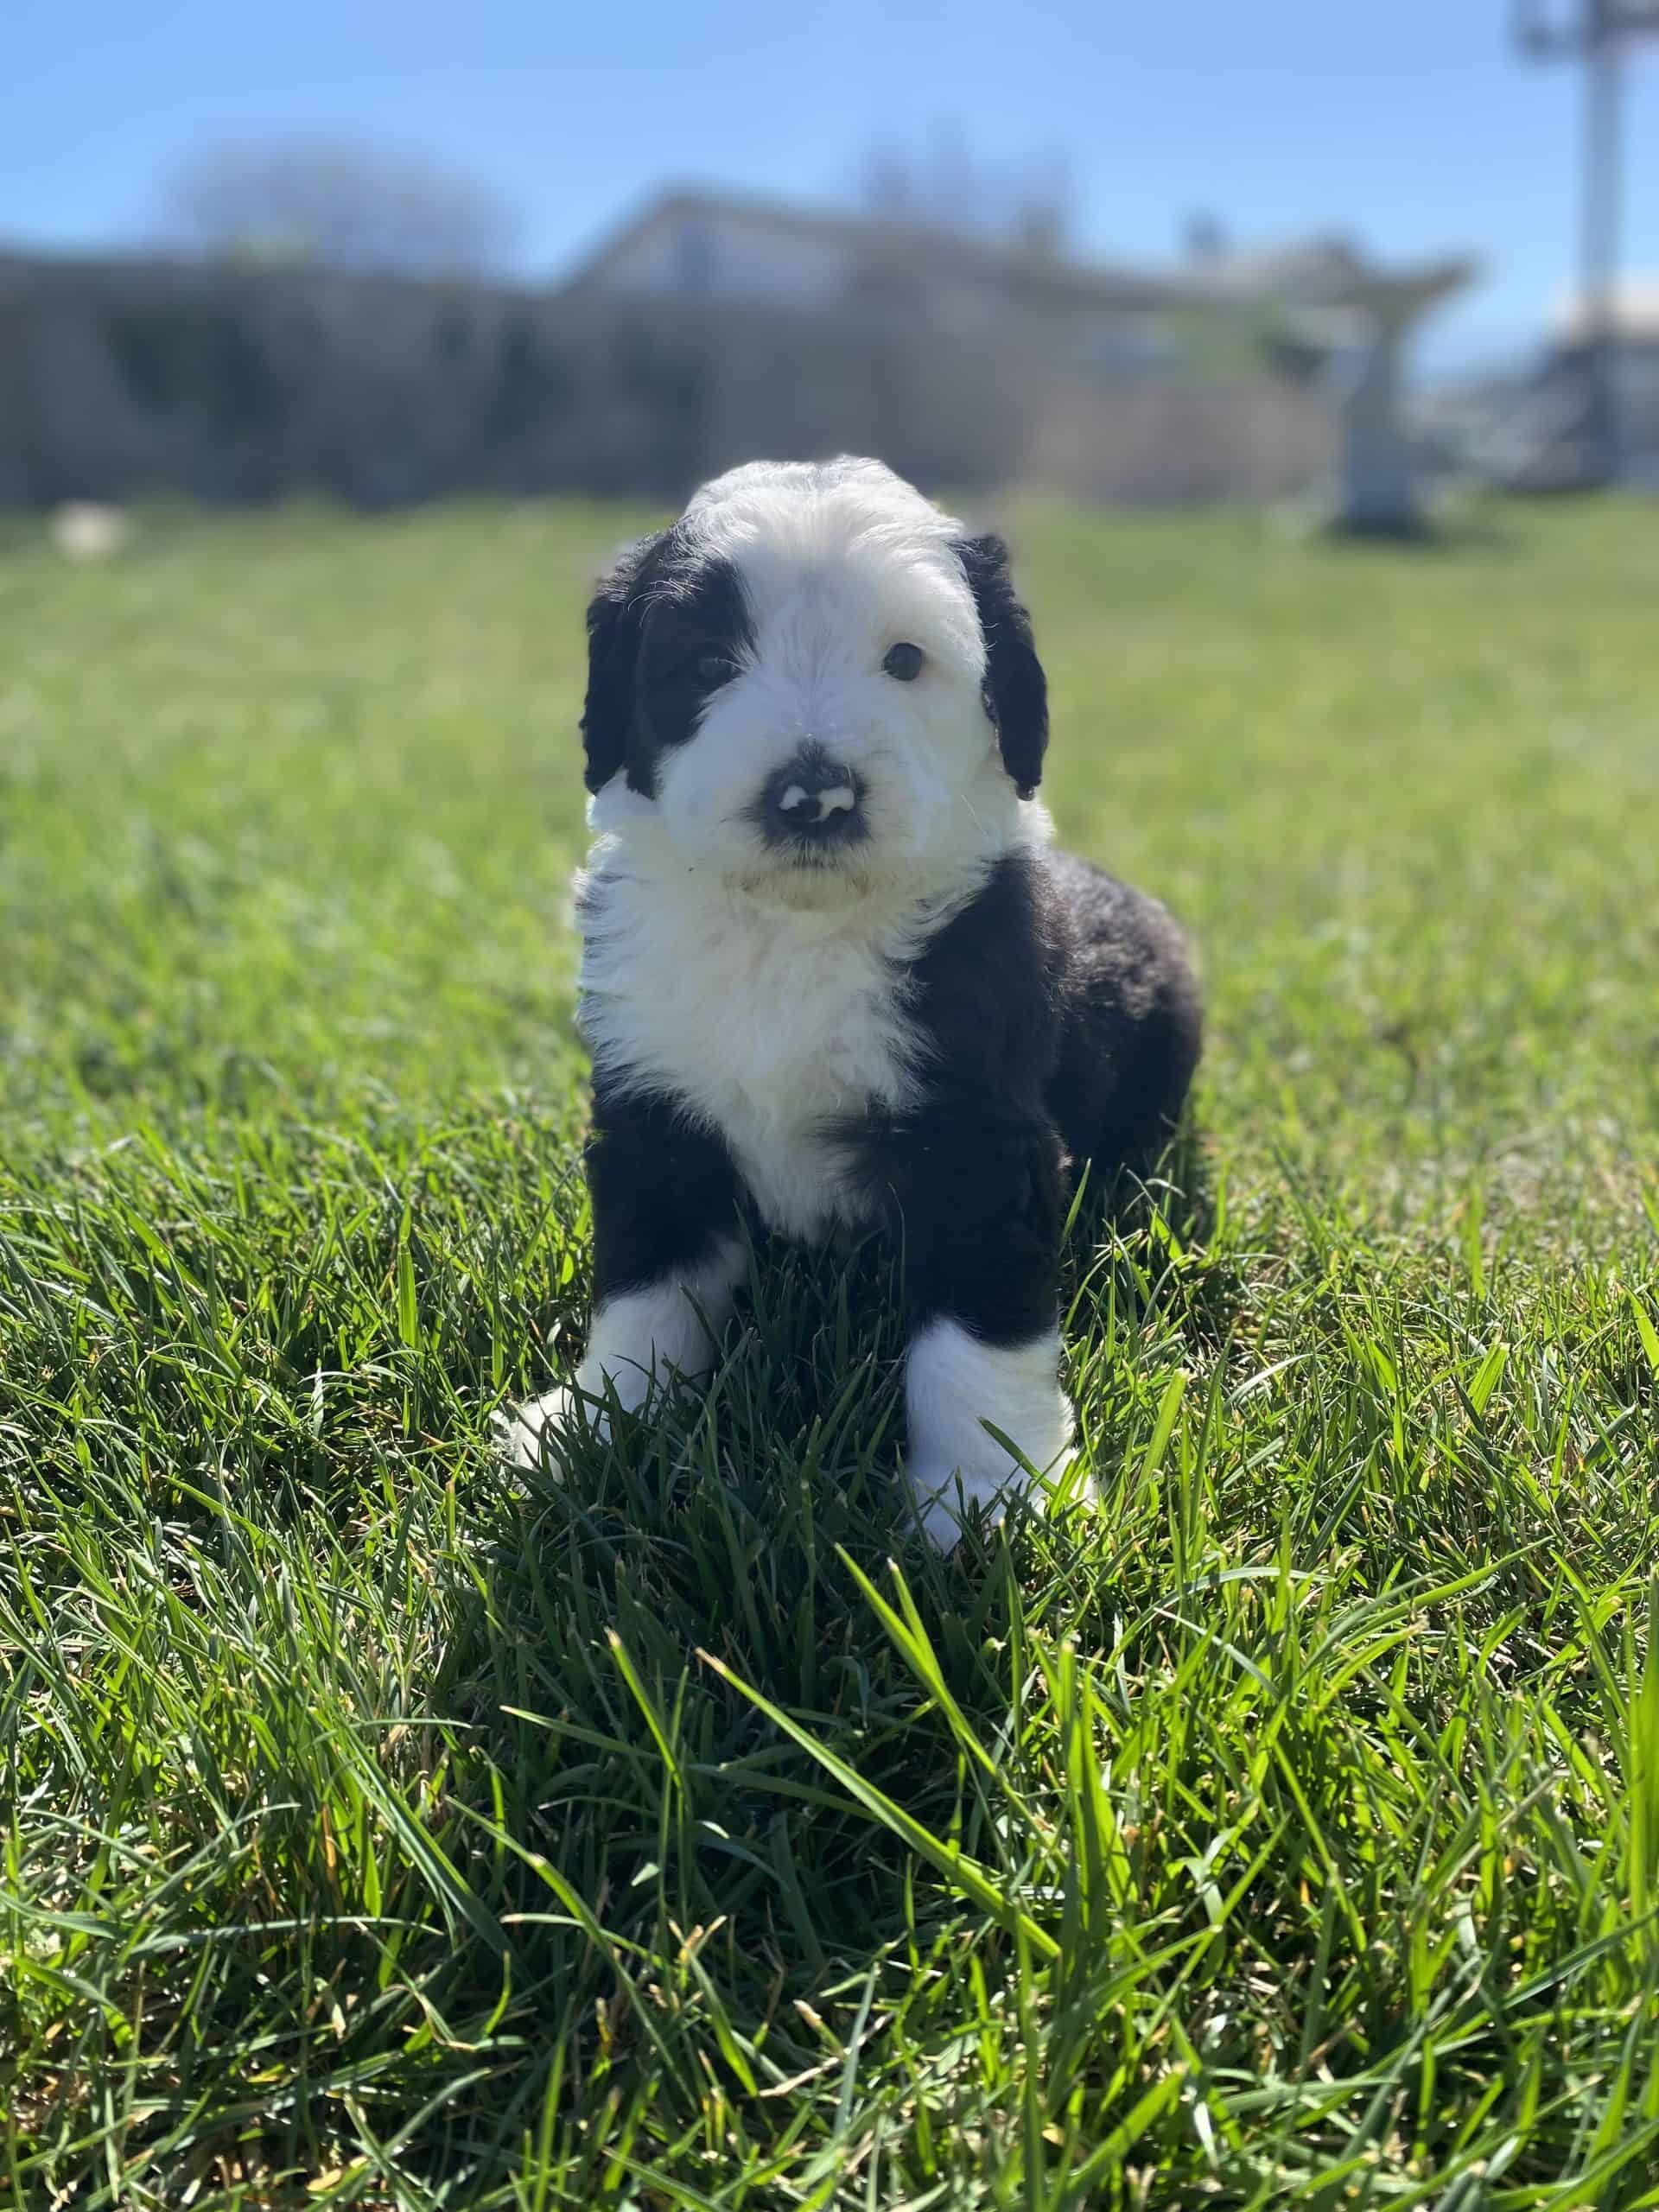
(373, 1834)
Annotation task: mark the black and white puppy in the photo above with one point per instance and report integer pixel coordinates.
(832, 975)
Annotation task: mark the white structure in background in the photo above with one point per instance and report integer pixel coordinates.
(1360, 316)
(1377, 493)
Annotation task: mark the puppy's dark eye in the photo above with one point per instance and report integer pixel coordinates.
(904, 662)
(714, 670)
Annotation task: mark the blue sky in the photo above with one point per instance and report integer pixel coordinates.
(1408, 124)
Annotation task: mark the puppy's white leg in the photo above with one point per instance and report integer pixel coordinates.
(954, 1384)
(640, 1338)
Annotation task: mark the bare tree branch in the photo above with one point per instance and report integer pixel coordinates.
(944, 185)
(343, 206)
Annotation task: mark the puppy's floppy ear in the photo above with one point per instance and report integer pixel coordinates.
(1016, 691)
(614, 622)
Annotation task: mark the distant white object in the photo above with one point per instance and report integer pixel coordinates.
(84, 531)
(1366, 316)
(1629, 314)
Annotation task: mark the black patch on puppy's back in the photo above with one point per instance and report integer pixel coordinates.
(1062, 992)
(986, 992)
(1062, 1024)
(1131, 1018)
(971, 1178)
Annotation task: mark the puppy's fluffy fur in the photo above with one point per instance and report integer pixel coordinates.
(833, 974)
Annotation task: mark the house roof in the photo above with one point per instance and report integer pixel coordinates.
(1020, 270)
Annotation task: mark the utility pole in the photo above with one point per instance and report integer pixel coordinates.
(1596, 32)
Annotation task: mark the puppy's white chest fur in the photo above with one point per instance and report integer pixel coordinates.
(768, 1022)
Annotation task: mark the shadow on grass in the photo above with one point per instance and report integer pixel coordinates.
(1150, 1241)
(1457, 524)
(685, 1703)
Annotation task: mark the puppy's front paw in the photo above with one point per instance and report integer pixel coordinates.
(962, 1396)
(944, 1497)
(534, 1437)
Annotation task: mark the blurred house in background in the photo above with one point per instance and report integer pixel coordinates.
(702, 247)
(708, 329)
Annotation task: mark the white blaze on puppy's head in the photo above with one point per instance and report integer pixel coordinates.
(814, 683)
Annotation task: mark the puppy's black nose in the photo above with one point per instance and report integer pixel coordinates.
(813, 800)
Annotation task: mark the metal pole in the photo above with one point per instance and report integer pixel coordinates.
(1599, 243)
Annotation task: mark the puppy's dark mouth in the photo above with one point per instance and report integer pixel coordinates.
(833, 853)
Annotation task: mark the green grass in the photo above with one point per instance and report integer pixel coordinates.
(1288, 1834)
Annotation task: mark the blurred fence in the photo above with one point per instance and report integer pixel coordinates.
(119, 378)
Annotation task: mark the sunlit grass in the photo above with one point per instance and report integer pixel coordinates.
(1286, 1833)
